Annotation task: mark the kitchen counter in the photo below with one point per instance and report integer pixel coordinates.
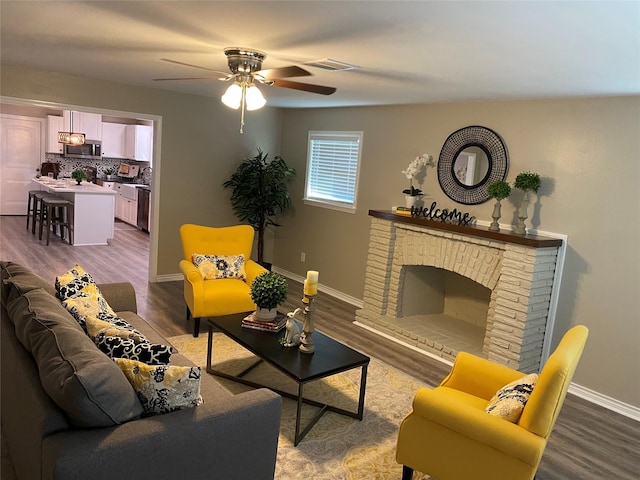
(67, 185)
(93, 208)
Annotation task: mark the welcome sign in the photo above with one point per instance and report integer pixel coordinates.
(444, 215)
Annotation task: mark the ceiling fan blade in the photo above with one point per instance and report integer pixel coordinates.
(305, 87)
(186, 78)
(193, 66)
(283, 72)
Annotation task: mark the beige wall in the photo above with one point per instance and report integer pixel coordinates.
(587, 152)
(201, 145)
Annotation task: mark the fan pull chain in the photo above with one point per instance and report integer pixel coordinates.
(243, 103)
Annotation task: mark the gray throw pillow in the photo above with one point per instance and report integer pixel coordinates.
(87, 385)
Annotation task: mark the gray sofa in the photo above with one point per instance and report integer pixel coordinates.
(94, 429)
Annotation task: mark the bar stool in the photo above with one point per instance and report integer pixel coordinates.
(56, 211)
(33, 207)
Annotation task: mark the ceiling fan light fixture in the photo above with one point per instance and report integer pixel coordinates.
(233, 96)
(254, 98)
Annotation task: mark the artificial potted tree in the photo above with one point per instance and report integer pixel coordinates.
(498, 190)
(78, 175)
(260, 192)
(268, 290)
(527, 182)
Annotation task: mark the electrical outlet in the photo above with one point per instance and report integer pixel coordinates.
(303, 257)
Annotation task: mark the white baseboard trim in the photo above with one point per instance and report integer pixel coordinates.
(604, 401)
(579, 391)
(169, 278)
(356, 302)
(587, 394)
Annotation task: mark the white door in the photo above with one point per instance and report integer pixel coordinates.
(21, 153)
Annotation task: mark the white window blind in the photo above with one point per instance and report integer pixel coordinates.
(332, 168)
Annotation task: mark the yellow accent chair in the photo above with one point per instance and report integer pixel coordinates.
(216, 297)
(449, 436)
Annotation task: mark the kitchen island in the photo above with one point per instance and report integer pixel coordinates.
(93, 208)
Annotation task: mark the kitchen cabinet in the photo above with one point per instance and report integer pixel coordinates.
(126, 207)
(139, 142)
(106, 184)
(113, 140)
(127, 210)
(54, 125)
(83, 122)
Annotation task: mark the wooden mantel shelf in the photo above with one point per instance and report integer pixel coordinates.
(534, 241)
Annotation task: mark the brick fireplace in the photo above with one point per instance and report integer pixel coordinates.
(444, 288)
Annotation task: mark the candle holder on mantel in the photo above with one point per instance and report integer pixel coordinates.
(306, 338)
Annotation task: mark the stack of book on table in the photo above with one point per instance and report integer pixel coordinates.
(274, 325)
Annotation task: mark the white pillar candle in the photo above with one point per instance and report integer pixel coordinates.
(312, 276)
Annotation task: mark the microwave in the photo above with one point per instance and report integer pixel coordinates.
(91, 151)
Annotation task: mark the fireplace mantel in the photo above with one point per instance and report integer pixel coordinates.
(533, 241)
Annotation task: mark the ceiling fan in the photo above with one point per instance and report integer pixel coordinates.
(245, 66)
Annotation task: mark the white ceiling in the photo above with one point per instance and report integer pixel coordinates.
(408, 52)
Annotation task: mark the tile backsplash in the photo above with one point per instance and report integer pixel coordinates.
(68, 165)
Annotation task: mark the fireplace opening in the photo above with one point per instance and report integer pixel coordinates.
(443, 306)
(430, 290)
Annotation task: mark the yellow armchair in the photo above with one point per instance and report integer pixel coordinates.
(449, 436)
(213, 298)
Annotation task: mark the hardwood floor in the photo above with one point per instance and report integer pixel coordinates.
(588, 442)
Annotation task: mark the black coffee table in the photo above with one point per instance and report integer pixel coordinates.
(330, 357)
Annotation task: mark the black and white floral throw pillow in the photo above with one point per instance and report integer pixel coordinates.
(149, 353)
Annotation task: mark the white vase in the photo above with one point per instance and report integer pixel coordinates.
(266, 314)
(522, 215)
(495, 226)
(412, 200)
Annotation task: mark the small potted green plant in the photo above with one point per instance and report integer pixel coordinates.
(268, 290)
(498, 190)
(108, 173)
(79, 175)
(527, 182)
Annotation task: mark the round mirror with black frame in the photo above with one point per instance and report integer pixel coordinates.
(471, 159)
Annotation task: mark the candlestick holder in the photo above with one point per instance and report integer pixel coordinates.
(306, 338)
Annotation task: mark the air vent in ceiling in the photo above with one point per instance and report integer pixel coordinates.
(331, 65)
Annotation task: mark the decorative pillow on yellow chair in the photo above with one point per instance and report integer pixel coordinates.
(163, 389)
(220, 266)
(508, 402)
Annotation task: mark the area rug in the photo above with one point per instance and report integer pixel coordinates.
(337, 447)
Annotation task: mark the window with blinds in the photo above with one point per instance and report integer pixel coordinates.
(332, 169)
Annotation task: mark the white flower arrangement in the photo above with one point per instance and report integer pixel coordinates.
(421, 161)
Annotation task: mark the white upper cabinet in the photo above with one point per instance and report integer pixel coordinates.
(139, 142)
(114, 140)
(54, 125)
(88, 123)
